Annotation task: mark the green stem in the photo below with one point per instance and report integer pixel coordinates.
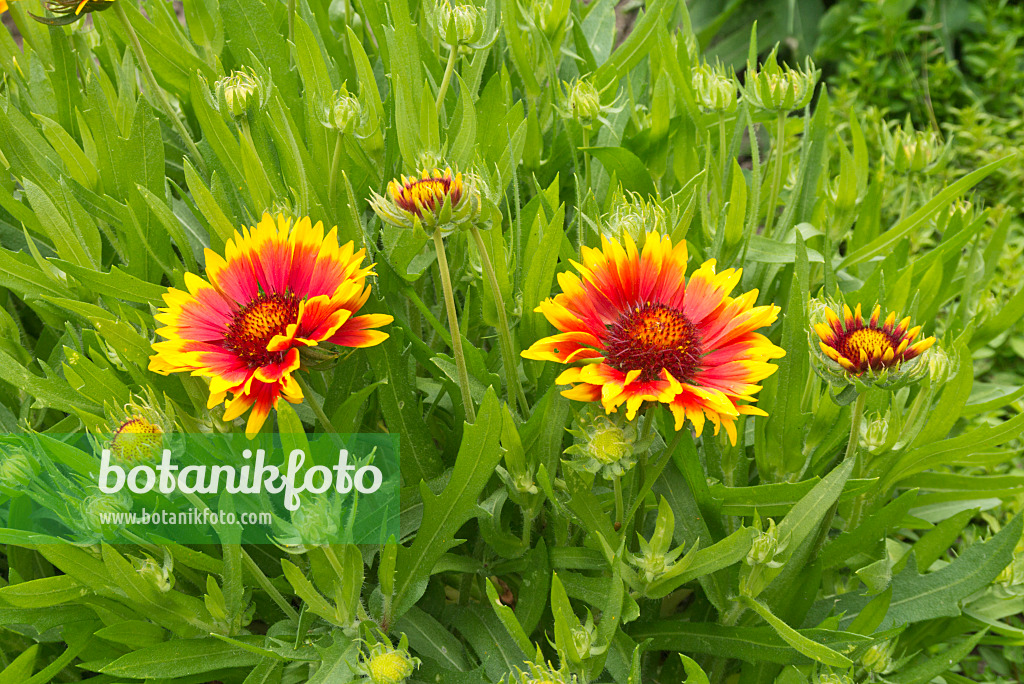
(154, 88)
(773, 198)
(857, 511)
(318, 410)
(254, 569)
(586, 155)
(619, 507)
(332, 180)
(905, 204)
(448, 70)
(855, 418)
(514, 387)
(453, 324)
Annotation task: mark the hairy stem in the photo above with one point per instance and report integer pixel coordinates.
(154, 88)
(773, 197)
(318, 410)
(514, 387)
(453, 56)
(453, 324)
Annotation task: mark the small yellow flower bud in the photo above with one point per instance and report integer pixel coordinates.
(910, 151)
(603, 443)
(136, 440)
(878, 658)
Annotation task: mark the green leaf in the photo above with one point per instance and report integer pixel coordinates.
(918, 597)
(927, 670)
(885, 242)
(627, 167)
(808, 647)
(43, 593)
(182, 658)
(443, 515)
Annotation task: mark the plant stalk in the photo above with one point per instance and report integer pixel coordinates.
(514, 387)
(453, 56)
(332, 179)
(453, 324)
(318, 410)
(773, 198)
(154, 87)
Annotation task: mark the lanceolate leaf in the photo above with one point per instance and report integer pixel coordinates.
(443, 515)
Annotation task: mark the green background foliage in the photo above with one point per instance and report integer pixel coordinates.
(895, 565)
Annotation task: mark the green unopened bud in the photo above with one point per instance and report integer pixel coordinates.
(17, 470)
(939, 365)
(780, 88)
(634, 216)
(874, 433)
(832, 678)
(342, 112)
(604, 444)
(102, 514)
(157, 575)
(241, 92)
(713, 88)
(136, 440)
(316, 521)
(878, 658)
(583, 101)
(766, 547)
(910, 151)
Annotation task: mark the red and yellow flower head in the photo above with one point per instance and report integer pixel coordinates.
(435, 199)
(870, 352)
(639, 331)
(277, 289)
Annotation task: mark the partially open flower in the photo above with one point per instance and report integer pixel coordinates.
(437, 199)
(385, 664)
(870, 352)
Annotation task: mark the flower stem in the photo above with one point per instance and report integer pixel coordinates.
(514, 387)
(586, 155)
(857, 512)
(855, 418)
(617, 486)
(453, 324)
(318, 410)
(154, 88)
(448, 70)
(773, 197)
(332, 180)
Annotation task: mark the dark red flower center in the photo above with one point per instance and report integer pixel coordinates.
(427, 193)
(651, 338)
(255, 324)
(874, 342)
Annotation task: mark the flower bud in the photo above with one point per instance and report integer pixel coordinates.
(766, 547)
(100, 513)
(17, 470)
(604, 444)
(939, 365)
(910, 151)
(136, 440)
(636, 217)
(713, 88)
(874, 433)
(583, 101)
(780, 88)
(832, 678)
(342, 112)
(241, 92)
(157, 575)
(878, 658)
(385, 664)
